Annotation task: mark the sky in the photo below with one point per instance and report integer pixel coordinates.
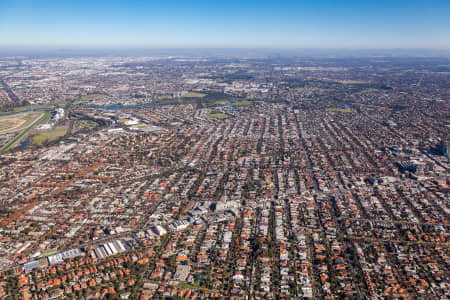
(226, 23)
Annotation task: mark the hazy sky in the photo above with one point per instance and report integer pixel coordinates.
(232, 23)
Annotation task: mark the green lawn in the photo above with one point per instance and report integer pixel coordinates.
(369, 105)
(298, 89)
(91, 97)
(342, 110)
(163, 97)
(8, 124)
(219, 116)
(60, 103)
(236, 102)
(222, 102)
(35, 106)
(57, 132)
(194, 95)
(82, 124)
(352, 81)
(242, 102)
(369, 90)
(47, 254)
(28, 107)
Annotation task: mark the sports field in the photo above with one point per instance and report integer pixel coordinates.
(22, 124)
(342, 110)
(193, 95)
(219, 116)
(9, 124)
(50, 136)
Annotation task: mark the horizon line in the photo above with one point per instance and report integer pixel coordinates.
(226, 47)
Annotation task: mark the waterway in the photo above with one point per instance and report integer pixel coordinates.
(24, 143)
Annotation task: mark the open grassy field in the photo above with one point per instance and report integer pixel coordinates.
(82, 124)
(47, 254)
(369, 90)
(219, 116)
(342, 110)
(194, 95)
(32, 120)
(369, 106)
(222, 102)
(50, 136)
(236, 102)
(60, 102)
(344, 81)
(9, 124)
(13, 123)
(298, 89)
(242, 102)
(34, 106)
(352, 81)
(27, 107)
(91, 97)
(163, 97)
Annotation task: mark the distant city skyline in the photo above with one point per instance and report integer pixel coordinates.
(191, 24)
